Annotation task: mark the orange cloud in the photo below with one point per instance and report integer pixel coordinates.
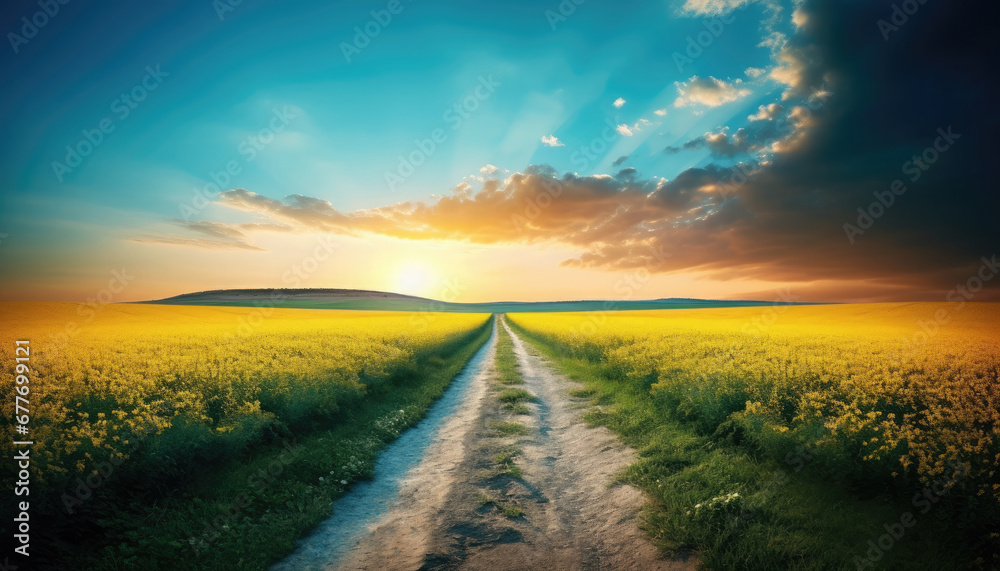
(763, 223)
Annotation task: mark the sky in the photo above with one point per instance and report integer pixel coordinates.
(582, 149)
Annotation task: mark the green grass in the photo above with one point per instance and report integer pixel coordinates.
(509, 374)
(512, 470)
(505, 505)
(506, 456)
(516, 408)
(515, 396)
(513, 512)
(788, 514)
(504, 460)
(272, 497)
(508, 428)
(506, 360)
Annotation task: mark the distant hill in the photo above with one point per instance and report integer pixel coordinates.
(387, 301)
(229, 295)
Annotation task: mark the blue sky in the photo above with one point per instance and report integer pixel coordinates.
(355, 118)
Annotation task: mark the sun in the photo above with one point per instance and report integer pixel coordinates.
(414, 279)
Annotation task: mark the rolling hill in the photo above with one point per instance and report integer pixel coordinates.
(323, 298)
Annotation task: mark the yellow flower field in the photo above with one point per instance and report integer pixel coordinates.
(903, 390)
(104, 376)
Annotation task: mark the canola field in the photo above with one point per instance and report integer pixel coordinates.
(196, 383)
(905, 392)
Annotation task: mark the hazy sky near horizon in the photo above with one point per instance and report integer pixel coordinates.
(520, 150)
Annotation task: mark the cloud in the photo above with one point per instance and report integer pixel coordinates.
(661, 112)
(220, 235)
(627, 174)
(755, 72)
(627, 130)
(619, 160)
(552, 141)
(720, 143)
(800, 18)
(488, 169)
(213, 229)
(196, 243)
(800, 69)
(712, 7)
(766, 112)
(773, 41)
(708, 91)
(772, 129)
(799, 61)
(587, 209)
(687, 146)
(618, 103)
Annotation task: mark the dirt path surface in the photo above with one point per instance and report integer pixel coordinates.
(542, 498)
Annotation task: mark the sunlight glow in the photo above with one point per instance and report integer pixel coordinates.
(415, 279)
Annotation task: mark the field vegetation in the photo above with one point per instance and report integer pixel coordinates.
(149, 421)
(793, 436)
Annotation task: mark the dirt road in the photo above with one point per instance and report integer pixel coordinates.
(558, 508)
